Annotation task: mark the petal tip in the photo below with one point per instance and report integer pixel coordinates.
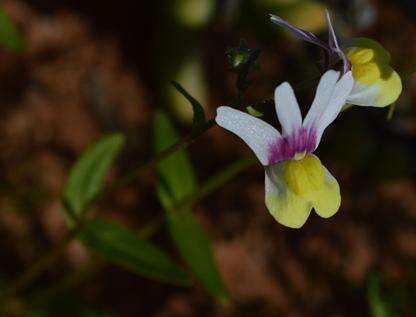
(221, 113)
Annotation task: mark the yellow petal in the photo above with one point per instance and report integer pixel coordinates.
(381, 93)
(358, 55)
(367, 74)
(376, 83)
(327, 201)
(285, 206)
(380, 54)
(304, 176)
(290, 200)
(390, 88)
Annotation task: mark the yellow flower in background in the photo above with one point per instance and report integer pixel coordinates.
(295, 180)
(376, 83)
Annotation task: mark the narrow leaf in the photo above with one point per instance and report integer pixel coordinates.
(86, 177)
(122, 247)
(378, 307)
(195, 249)
(199, 114)
(176, 182)
(10, 37)
(176, 171)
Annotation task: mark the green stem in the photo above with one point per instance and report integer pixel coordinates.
(217, 181)
(390, 114)
(151, 164)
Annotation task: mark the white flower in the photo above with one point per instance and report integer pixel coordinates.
(375, 81)
(296, 181)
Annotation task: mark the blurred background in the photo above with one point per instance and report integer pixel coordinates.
(87, 68)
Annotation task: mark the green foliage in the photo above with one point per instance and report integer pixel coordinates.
(242, 57)
(86, 177)
(176, 173)
(378, 307)
(242, 60)
(177, 181)
(198, 110)
(254, 112)
(195, 249)
(65, 304)
(122, 247)
(10, 37)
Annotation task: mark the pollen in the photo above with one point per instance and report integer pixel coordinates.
(304, 176)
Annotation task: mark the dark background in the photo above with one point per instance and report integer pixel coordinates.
(92, 67)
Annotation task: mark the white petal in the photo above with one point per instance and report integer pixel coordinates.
(363, 95)
(322, 96)
(339, 97)
(258, 134)
(287, 109)
(383, 92)
(330, 97)
(287, 208)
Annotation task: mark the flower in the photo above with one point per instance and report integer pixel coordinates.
(295, 179)
(375, 81)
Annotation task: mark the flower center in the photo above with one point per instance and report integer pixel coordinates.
(365, 67)
(305, 175)
(299, 156)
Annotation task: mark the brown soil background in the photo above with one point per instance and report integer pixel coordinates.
(90, 69)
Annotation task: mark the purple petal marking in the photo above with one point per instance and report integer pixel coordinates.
(333, 48)
(299, 33)
(285, 148)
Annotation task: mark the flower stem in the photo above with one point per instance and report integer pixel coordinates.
(151, 164)
(217, 181)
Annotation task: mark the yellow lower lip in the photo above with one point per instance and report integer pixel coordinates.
(304, 176)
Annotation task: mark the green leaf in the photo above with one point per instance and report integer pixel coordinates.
(86, 177)
(176, 182)
(195, 249)
(10, 37)
(254, 112)
(176, 171)
(199, 114)
(122, 247)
